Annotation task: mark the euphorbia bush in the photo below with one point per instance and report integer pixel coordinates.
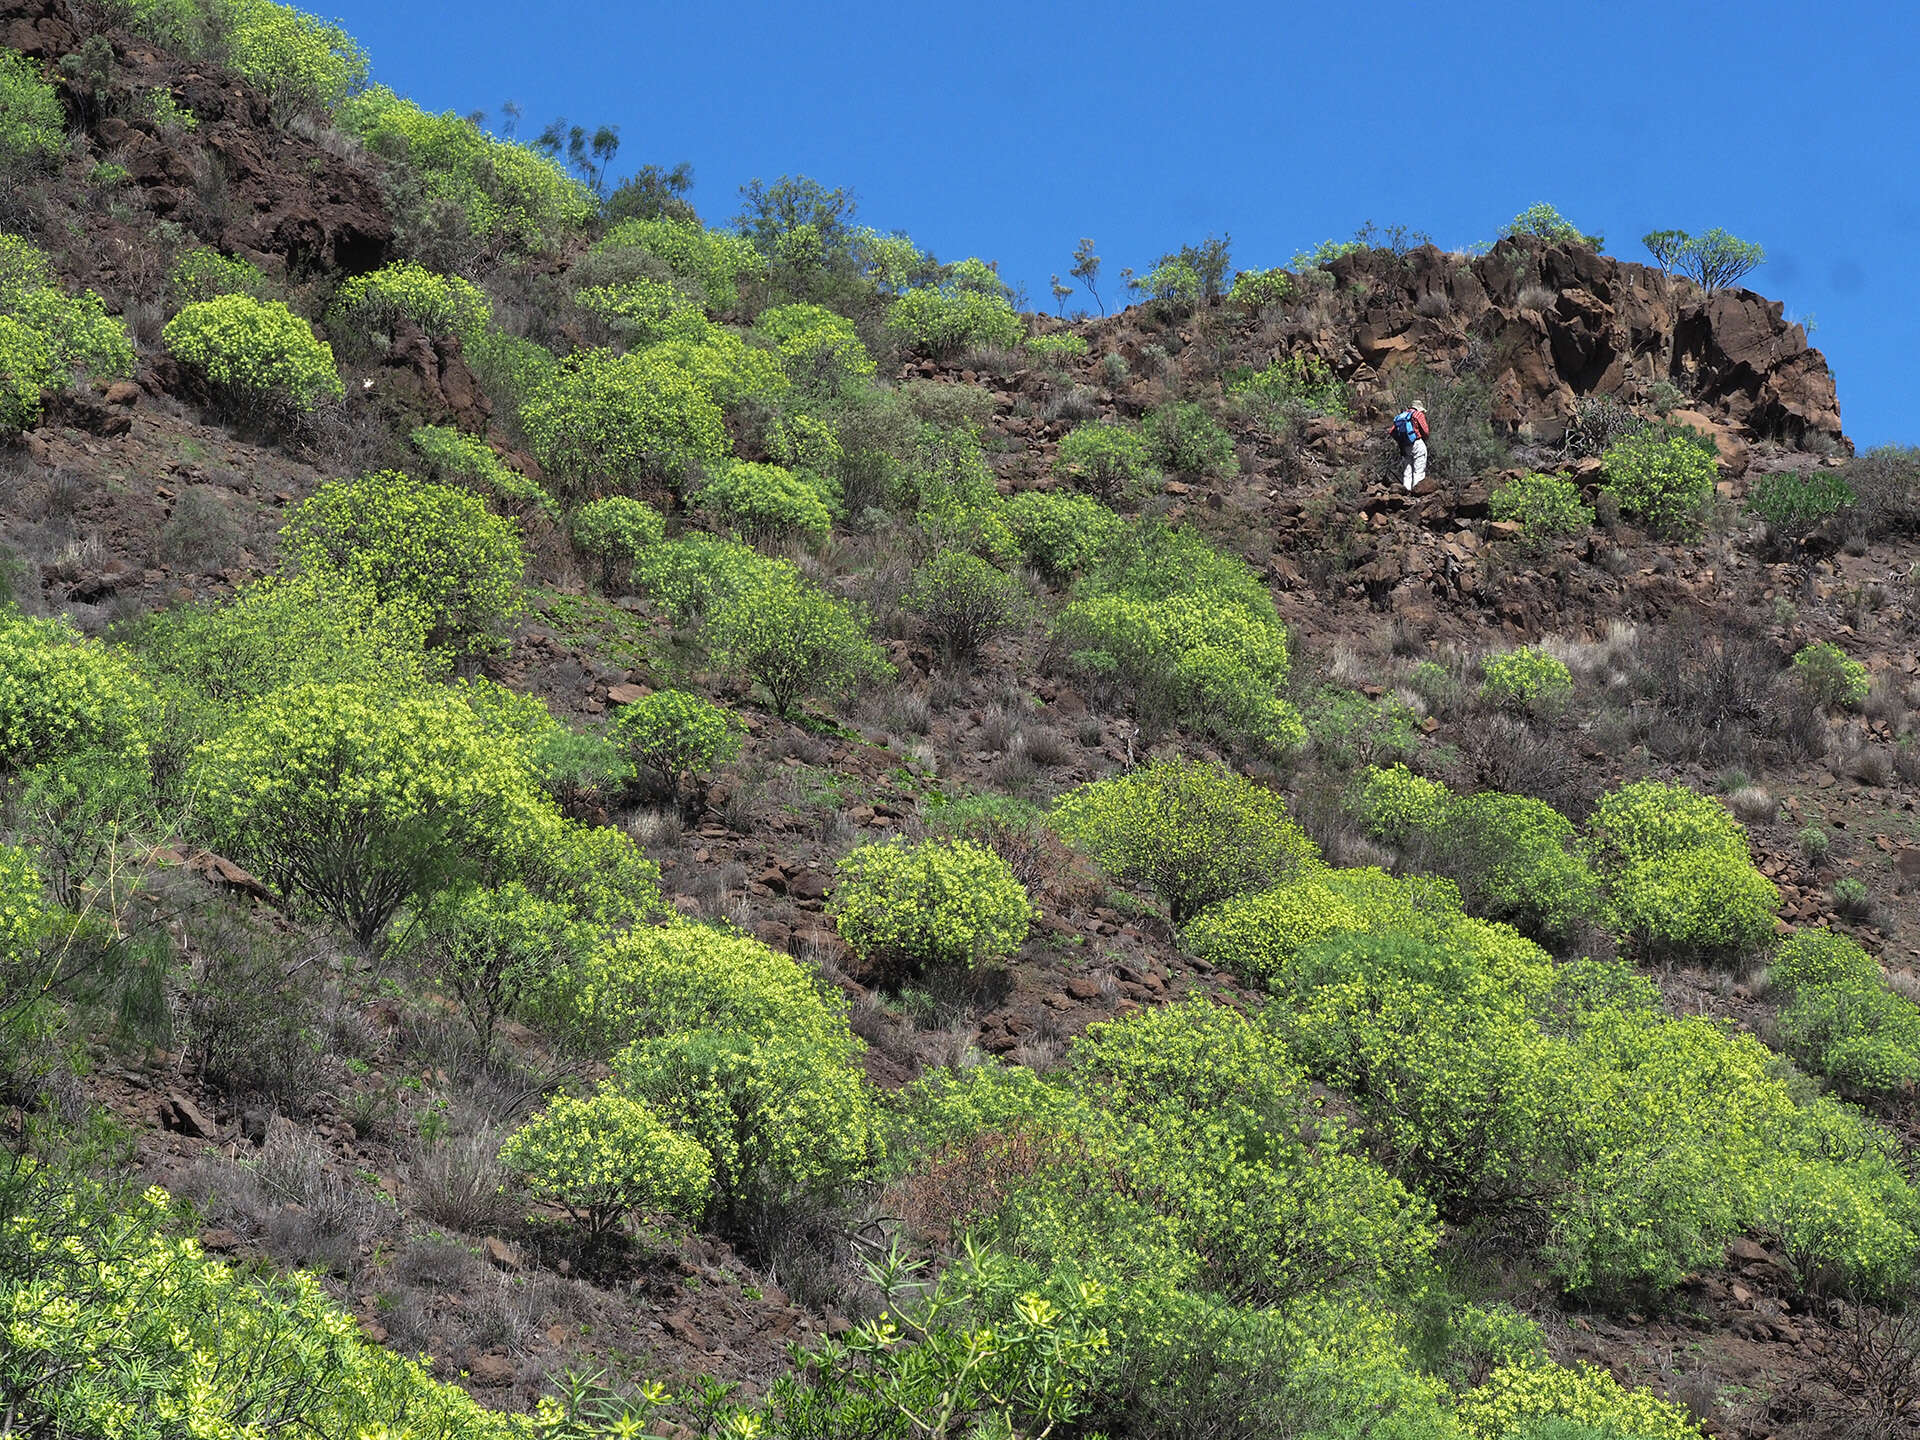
(1830, 676)
(374, 303)
(361, 800)
(938, 903)
(1060, 533)
(46, 335)
(456, 457)
(1111, 461)
(607, 421)
(944, 320)
(674, 738)
(819, 348)
(203, 273)
(1526, 679)
(1259, 936)
(793, 639)
(254, 351)
(699, 573)
(1194, 833)
(966, 601)
(763, 502)
(430, 546)
(495, 948)
(1184, 437)
(608, 1157)
(1547, 508)
(33, 126)
(61, 694)
(715, 260)
(615, 531)
(1664, 480)
(725, 366)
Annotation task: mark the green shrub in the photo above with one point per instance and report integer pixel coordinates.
(374, 304)
(297, 60)
(725, 366)
(908, 908)
(1714, 260)
(1547, 508)
(451, 455)
(1348, 728)
(1830, 676)
(1260, 936)
(361, 800)
(1840, 1019)
(765, 502)
(1664, 480)
(608, 1157)
(46, 335)
(966, 601)
(510, 369)
(1647, 820)
(495, 949)
(26, 369)
(1546, 223)
(62, 694)
(1793, 502)
(203, 273)
(1523, 1402)
(615, 531)
(712, 260)
(33, 126)
(1060, 534)
(614, 421)
(1193, 833)
(1185, 438)
(675, 738)
(1297, 387)
(1516, 860)
(1394, 804)
(506, 196)
(1058, 347)
(1190, 632)
(698, 573)
(1111, 461)
(1526, 679)
(818, 348)
(643, 310)
(947, 319)
(1257, 289)
(794, 639)
(254, 351)
(429, 546)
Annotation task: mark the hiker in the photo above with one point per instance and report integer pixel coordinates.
(1410, 429)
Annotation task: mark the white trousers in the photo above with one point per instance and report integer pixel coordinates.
(1416, 469)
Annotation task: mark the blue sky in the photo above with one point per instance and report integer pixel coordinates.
(1008, 131)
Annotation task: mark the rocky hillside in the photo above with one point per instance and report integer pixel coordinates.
(1032, 799)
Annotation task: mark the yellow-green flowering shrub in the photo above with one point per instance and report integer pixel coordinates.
(1830, 676)
(430, 546)
(1057, 347)
(296, 59)
(203, 273)
(606, 421)
(1256, 289)
(1193, 833)
(1840, 1019)
(675, 738)
(765, 502)
(1664, 480)
(495, 948)
(1395, 804)
(1547, 508)
(254, 351)
(1676, 869)
(46, 335)
(1060, 534)
(373, 304)
(1111, 461)
(946, 319)
(941, 902)
(818, 347)
(1294, 388)
(116, 1327)
(359, 799)
(699, 573)
(714, 260)
(725, 366)
(966, 601)
(1528, 680)
(1515, 1395)
(615, 531)
(640, 310)
(454, 457)
(794, 639)
(33, 126)
(26, 368)
(1259, 936)
(61, 694)
(23, 917)
(608, 1157)
(1517, 859)
(595, 871)
(806, 442)
(1184, 437)
(509, 196)
(1190, 632)
(510, 368)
